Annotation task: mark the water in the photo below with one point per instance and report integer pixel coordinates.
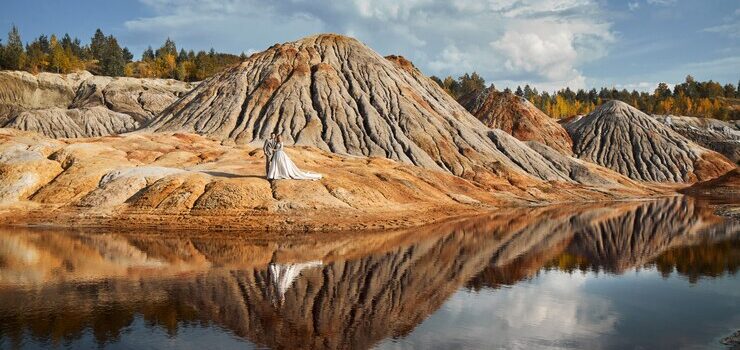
(652, 274)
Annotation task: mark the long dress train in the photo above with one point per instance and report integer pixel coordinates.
(281, 167)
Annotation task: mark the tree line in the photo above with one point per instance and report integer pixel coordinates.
(105, 56)
(707, 99)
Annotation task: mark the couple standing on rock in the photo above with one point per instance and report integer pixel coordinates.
(279, 166)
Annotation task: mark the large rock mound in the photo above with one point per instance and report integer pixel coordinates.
(334, 93)
(620, 137)
(717, 135)
(518, 117)
(82, 105)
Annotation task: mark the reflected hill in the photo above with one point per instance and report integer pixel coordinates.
(336, 290)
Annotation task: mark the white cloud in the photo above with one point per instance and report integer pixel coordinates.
(731, 27)
(639, 86)
(552, 49)
(661, 2)
(633, 5)
(553, 309)
(542, 41)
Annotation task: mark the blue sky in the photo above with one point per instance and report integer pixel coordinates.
(546, 43)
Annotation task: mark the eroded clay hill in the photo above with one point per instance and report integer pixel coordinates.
(80, 104)
(620, 137)
(717, 135)
(518, 117)
(334, 93)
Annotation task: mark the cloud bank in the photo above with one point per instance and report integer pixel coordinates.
(541, 42)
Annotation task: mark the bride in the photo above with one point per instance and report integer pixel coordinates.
(281, 167)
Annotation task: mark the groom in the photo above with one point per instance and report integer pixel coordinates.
(269, 149)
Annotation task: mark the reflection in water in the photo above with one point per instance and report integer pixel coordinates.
(282, 276)
(356, 291)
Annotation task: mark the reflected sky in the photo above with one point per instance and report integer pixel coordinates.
(650, 274)
(586, 311)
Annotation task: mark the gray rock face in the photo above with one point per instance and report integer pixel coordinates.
(142, 99)
(576, 169)
(334, 93)
(24, 90)
(622, 138)
(80, 104)
(717, 135)
(77, 122)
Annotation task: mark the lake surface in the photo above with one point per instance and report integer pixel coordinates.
(630, 275)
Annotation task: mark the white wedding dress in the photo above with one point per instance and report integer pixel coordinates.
(282, 276)
(281, 167)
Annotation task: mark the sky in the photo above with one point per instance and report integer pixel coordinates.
(549, 44)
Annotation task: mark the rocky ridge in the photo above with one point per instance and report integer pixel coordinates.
(622, 138)
(82, 105)
(185, 180)
(518, 117)
(719, 136)
(336, 94)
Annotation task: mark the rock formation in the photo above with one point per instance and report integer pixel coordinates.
(75, 122)
(622, 138)
(518, 117)
(80, 104)
(634, 238)
(185, 180)
(334, 93)
(726, 187)
(717, 135)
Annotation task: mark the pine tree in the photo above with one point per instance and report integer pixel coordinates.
(43, 43)
(127, 55)
(112, 62)
(528, 92)
(13, 55)
(662, 91)
(470, 83)
(182, 56)
(729, 90)
(98, 45)
(519, 92)
(168, 48)
(148, 54)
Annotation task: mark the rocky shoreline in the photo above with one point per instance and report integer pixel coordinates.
(176, 181)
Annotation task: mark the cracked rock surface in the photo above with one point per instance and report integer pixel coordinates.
(622, 138)
(82, 105)
(518, 117)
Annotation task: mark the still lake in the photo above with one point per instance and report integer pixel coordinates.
(657, 274)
